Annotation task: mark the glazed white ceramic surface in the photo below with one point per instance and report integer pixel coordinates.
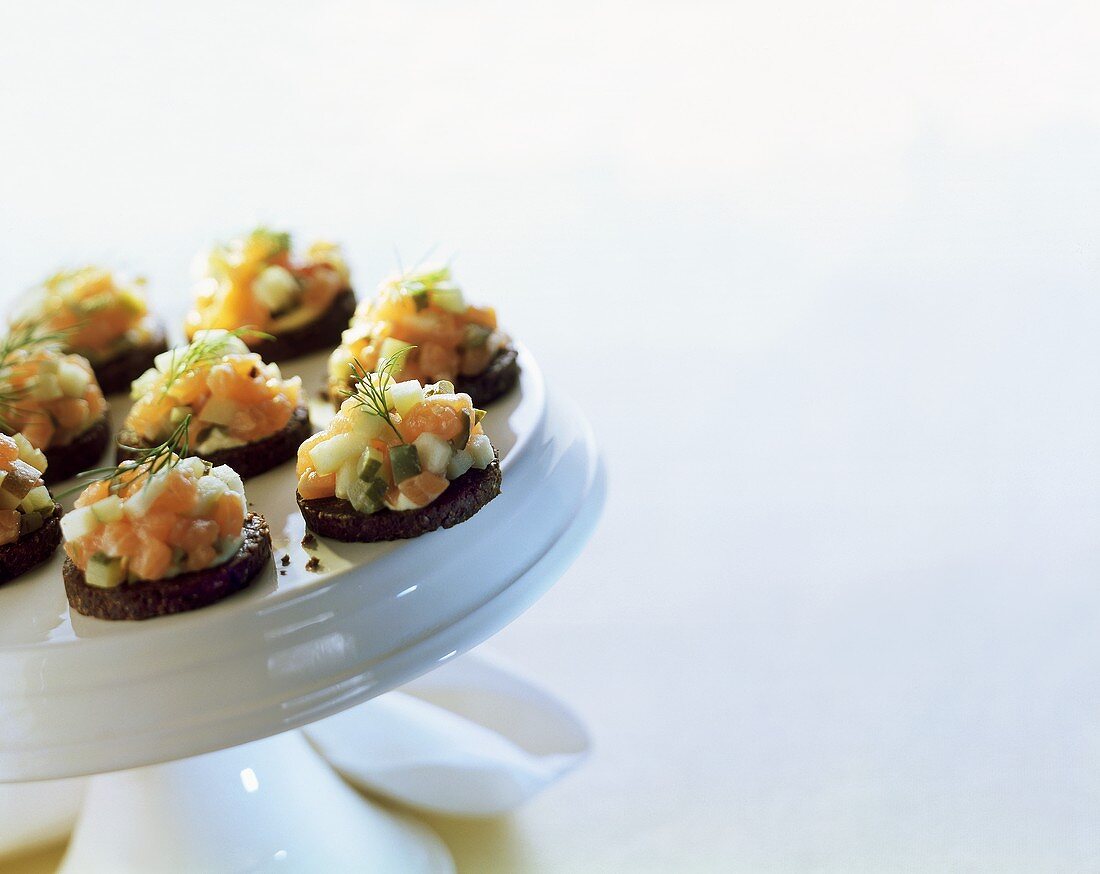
(472, 738)
(80, 695)
(274, 805)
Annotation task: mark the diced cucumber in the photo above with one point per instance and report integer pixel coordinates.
(47, 387)
(230, 477)
(434, 452)
(460, 440)
(345, 477)
(276, 288)
(482, 451)
(104, 572)
(218, 438)
(366, 497)
(8, 501)
(144, 384)
(73, 379)
(406, 395)
(131, 301)
(195, 466)
(478, 416)
(370, 464)
(366, 423)
(28, 453)
(78, 523)
(405, 461)
(209, 489)
(108, 510)
(420, 298)
(390, 347)
(21, 478)
(139, 503)
(460, 462)
(475, 336)
(178, 414)
(38, 499)
(218, 411)
(30, 522)
(47, 367)
(449, 298)
(165, 361)
(331, 454)
(443, 387)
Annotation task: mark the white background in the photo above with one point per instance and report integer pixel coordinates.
(824, 277)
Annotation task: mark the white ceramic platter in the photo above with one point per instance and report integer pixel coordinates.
(82, 696)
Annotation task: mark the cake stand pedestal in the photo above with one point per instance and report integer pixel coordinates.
(188, 721)
(269, 805)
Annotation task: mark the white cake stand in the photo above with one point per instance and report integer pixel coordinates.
(187, 720)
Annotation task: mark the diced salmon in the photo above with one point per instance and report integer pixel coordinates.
(39, 430)
(151, 562)
(435, 418)
(311, 485)
(423, 488)
(9, 451)
(177, 496)
(229, 515)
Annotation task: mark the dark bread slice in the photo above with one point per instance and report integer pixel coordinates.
(322, 333)
(338, 519)
(190, 591)
(83, 453)
(31, 549)
(247, 460)
(493, 381)
(484, 388)
(115, 375)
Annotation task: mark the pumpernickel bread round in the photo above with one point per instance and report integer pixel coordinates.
(322, 333)
(338, 519)
(494, 381)
(31, 549)
(115, 375)
(83, 453)
(190, 591)
(248, 460)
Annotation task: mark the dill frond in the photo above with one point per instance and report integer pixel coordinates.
(150, 461)
(369, 389)
(202, 352)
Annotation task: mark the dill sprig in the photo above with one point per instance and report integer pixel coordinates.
(201, 352)
(27, 337)
(149, 461)
(369, 389)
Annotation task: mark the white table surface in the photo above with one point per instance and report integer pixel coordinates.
(825, 278)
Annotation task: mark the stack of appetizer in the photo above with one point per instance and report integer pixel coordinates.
(168, 528)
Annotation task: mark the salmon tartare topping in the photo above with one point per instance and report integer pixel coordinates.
(255, 281)
(422, 313)
(394, 445)
(230, 395)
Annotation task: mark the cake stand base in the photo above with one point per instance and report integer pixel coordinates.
(269, 805)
